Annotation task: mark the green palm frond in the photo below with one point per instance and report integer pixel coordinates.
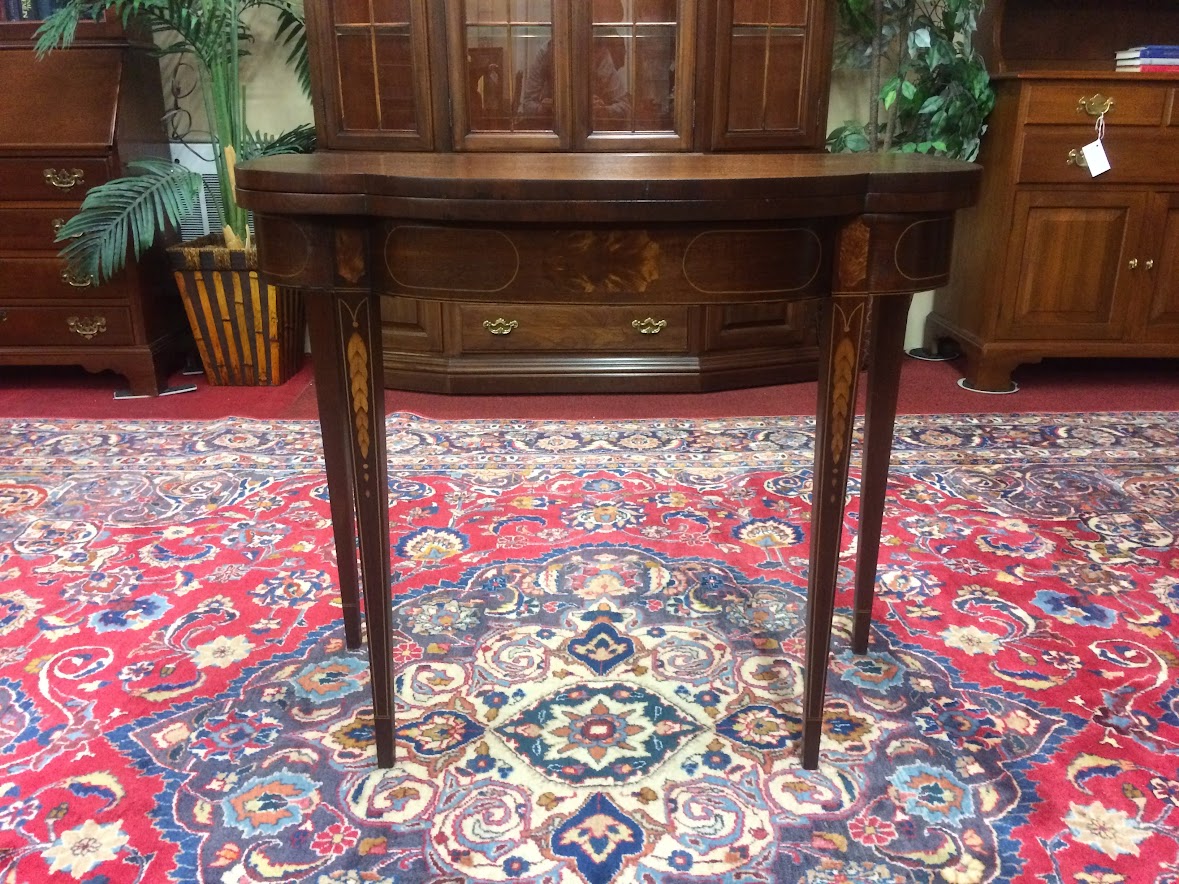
(292, 33)
(124, 212)
(301, 139)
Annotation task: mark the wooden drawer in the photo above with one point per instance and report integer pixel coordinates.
(45, 279)
(572, 328)
(1134, 104)
(81, 325)
(51, 179)
(1136, 156)
(33, 229)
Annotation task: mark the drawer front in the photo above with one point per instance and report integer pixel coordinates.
(1136, 156)
(572, 328)
(46, 278)
(1133, 104)
(51, 179)
(32, 229)
(82, 325)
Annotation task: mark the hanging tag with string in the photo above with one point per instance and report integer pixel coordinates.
(1095, 158)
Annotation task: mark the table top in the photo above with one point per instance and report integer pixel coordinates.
(636, 187)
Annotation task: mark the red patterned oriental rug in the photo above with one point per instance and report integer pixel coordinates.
(599, 645)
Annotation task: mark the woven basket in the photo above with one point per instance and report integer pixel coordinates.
(247, 333)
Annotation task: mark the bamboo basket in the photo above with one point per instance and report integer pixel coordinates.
(247, 333)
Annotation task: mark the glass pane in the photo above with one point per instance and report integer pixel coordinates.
(632, 65)
(769, 12)
(765, 78)
(390, 12)
(509, 65)
(345, 12)
(395, 79)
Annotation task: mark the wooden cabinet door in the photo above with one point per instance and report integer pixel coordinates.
(373, 63)
(1070, 278)
(1159, 265)
(769, 89)
(571, 75)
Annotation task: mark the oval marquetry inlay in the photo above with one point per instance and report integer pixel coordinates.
(753, 261)
(446, 259)
(923, 249)
(291, 259)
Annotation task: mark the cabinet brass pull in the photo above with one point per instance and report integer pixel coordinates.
(500, 326)
(64, 179)
(58, 224)
(1076, 158)
(649, 326)
(87, 326)
(72, 279)
(1132, 263)
(1149, 264)
(1095, 105)
(3, 316)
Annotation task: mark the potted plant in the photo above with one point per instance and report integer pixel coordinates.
(929, 91)
(246, 333)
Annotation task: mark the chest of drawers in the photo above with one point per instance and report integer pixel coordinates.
(72, 121)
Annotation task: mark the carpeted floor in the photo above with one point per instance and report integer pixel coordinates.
(599, 635)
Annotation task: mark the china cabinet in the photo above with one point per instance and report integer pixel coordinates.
(583, 76)
(1055, 261)
(70, 121)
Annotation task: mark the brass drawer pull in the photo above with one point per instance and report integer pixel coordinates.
(64, 179)
(1076, 158)
(1148, 263)
(74, 280)
(500, 326)
(87, 326)
(1132, 263)
(58, 224)
(3, 316)
(649, 326)
(1095, 105)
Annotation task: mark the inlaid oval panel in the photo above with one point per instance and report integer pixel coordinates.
(923, 248)
(288, 248)
(450, 259)
(761, 261)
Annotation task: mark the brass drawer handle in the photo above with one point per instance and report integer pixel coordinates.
(3, 316)
(1148, 264)
(1077, 158)
(74, 280)
(1095, 105)
(87, 326)
(64, 179)
(1132, 263)
(500, 326)
(649, 326)
(58, 224)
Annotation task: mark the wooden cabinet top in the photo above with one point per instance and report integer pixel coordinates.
(570, 75)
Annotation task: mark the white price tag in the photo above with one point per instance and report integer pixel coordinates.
(1095, 158)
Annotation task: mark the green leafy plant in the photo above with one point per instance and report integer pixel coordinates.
(130, 213)
(929, 91)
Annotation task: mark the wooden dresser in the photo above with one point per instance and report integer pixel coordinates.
(583, 76)
(1053, 261)
(69, 122)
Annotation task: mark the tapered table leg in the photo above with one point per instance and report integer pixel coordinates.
(844, 318)
(329, 392)
(889, 317)
(353, 319)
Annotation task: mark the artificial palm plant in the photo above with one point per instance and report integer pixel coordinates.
(131, 213)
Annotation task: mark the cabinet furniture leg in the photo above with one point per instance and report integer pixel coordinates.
(991, 374)
(842, 324)
(352, 318)
(884, 373)
(329, 391)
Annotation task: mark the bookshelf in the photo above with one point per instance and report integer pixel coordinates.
(70, 121)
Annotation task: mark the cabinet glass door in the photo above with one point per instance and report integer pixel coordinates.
(507, 93)
(625, 74)
(377, 47)
(768, 52)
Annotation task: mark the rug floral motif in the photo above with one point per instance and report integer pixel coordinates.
(598, 644)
